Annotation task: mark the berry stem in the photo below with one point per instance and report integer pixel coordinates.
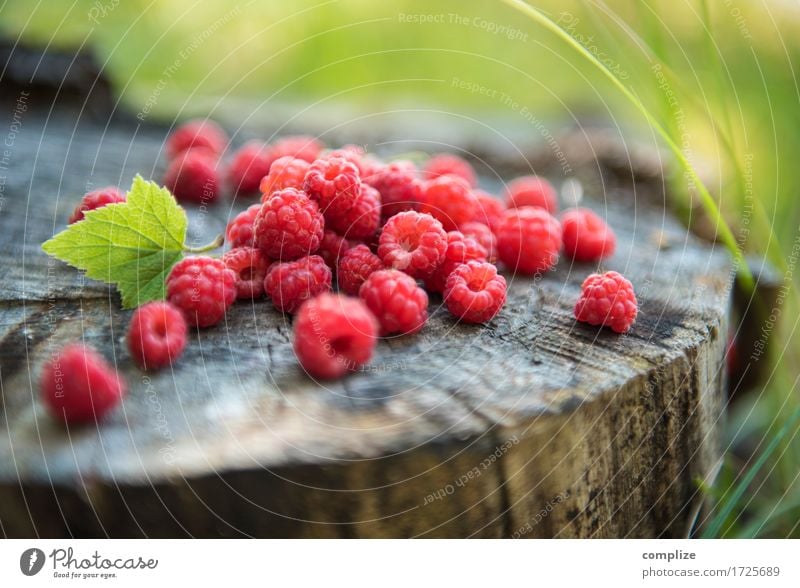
(215, 244)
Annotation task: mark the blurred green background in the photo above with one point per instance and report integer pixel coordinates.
(732, 103)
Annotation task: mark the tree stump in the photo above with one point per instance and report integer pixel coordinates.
(532, 426)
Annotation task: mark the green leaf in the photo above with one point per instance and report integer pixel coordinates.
(132, 244)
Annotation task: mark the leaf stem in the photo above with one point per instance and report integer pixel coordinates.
(215, 244)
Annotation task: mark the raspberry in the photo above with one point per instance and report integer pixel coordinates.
(362, 219)
(196, 134)
(157, 335)
(355, 154)
(250, 267)
(288, 226)
(450, 200)
(400, 306)
(285, 172)
(399, 187)
(484, 236)
(96, 199)
(334, 183)
(528, 240)
(333, 335)
(202, 288)
(489, 210)
(249, 164)
(532, 191)
(241, 230)
(447, 164)
(332, 247)
(475, 292)
(78, 385)
(302, 147)
(412, 242)
(587, 237)
(193, 177)
(355, 266)
(290, 283)
(607, 299)
(460, 249)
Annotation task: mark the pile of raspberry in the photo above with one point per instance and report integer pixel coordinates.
(352, 247)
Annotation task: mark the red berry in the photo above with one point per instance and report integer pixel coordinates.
(203, 134)
(250, 267)
(157, 335)
(355, 154)
(334, 183)
(333, 335)
(450, 200)
(290, 283)
(587, 237)
(484, 236)
(398, 185)
(355, 266)
(285, 172)
(412, 242)
(249, 164)
(192, 177)
(447, 164)
(528, 240)
(475, 292)
(460, 249)
(302, 147)
(607, 299)
(96, 199)
(532, 191)
(332, 247)
(362, 219)
(489, 210)
(202, 288)
(241, 230)
(289, 225)
(78, 385)
(397, 302)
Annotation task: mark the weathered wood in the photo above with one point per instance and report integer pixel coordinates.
(532, 426)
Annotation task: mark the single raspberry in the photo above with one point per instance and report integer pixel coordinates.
(355, 266)
(489, 210)
(96, 199)
(532, 191)
(475, 292)
(400, 306)
(587, 237)
(203, 134)
(367, 164)
(302, 147)
(157, 335)
(332, 247)
(398, 185)
(460, 249)
(449, 199)
(447, 164)
(362, 219)
(250, 267)
(248, 166)
(202, 288)
(289, 225)
(333, 335)
(334, 183)
(241, 230)
(292, 282)
(528, 240)
(192, 177)
(484, 236)
(285, 172)
(78, 385)
(412, 242)
(607, 299)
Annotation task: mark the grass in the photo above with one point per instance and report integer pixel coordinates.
(730, 68)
